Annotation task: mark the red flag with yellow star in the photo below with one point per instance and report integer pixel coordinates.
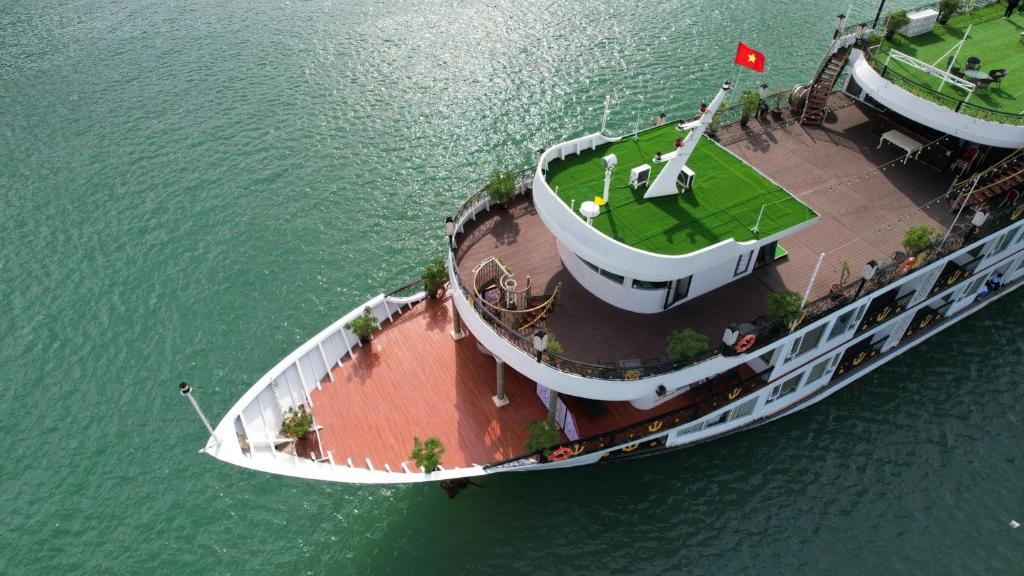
(750, 58)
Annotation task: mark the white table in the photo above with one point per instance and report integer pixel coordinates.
(909, 145)
(590, 210)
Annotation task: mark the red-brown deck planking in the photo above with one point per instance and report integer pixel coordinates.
(414, 380)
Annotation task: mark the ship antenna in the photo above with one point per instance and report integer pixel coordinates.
(186, 391)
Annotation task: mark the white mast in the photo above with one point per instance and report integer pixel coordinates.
(665, 183)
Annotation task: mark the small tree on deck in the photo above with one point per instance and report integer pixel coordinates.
(427, 453)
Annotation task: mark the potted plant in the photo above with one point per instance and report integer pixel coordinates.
(784, 306)
(897, 19)
(542, 436)
(749, 103)
(501, 187)
(685, 345)
(296, 423)
(427, 453)
(434, 275)
(917, 238)
(947, 8)
(364, 325)
(554, 346)
(716, 119)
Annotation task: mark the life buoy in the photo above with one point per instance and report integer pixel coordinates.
(560, 454)
(745, 343)
(908, 264)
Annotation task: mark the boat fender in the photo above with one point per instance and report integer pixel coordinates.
(908, 264)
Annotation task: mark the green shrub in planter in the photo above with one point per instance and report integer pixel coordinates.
(427, 453)
(917, 238)
(542, 435)
(897, 20)
(296, 423)
(685, 345)
(434, 276)
(947, 8)
(784, 306)
(501, 187)
(364, 326)
(749, 103)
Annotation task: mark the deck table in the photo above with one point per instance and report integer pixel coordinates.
(909, 145)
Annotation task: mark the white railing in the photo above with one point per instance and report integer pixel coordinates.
(290, 384)
(929, 69)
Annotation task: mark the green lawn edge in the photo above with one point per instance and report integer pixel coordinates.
(724, 203)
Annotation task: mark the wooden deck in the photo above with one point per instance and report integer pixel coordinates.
(863, 215)
(414, 380)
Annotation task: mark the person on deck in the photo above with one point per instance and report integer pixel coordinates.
(679, 143)
(1010, 5)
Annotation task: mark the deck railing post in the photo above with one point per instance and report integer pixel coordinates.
(499, 399)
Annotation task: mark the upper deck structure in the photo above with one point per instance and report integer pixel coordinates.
(724, 202)
(666, 213)
(978, 101)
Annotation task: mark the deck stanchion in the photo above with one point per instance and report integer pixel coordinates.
(500, 399)
(456, 333)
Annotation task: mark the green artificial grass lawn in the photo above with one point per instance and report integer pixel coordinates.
(724, 203)
(994, 40)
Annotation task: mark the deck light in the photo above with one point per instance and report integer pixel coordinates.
(840, 20)
(867, 274)
(540, 342)
(976, 222)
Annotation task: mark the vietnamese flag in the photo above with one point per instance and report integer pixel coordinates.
(750, 58)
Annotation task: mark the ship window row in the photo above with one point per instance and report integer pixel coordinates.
(814, 375)
(743, 410)
(619, 279)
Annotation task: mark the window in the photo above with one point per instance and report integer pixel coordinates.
(1003, 242)
(745, 409)
(843, 324)
(743, 263)
(806, 342)
(612, 276)
(811, 339)
(609, 275)
(646, 285)
(589, 265)
(721, 418)
(786, 387)
(818, 370)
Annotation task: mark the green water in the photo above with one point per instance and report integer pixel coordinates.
(190, 190)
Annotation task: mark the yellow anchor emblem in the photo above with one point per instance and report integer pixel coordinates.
(860, 358)
(631, 447)
(734, 393)
(883, 314)
(577, 449)
(655, 426)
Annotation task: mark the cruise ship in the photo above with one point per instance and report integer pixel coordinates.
(635, 294)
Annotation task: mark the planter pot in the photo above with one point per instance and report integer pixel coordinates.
(889, 34)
